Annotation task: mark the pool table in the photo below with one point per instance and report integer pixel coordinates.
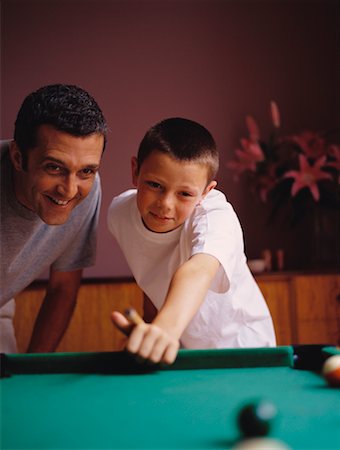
(108, 401)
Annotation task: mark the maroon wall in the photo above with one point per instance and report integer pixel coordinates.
(212, 61)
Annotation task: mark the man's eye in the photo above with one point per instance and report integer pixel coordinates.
(53, 168)
(88, 172)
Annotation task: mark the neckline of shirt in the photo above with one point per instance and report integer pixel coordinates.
(169, 237)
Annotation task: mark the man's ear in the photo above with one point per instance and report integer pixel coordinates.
(16, 156)
(134, 170)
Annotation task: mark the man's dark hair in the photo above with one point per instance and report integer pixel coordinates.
(68, 108)
(183, 140)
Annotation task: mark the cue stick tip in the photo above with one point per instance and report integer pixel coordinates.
(132, 315)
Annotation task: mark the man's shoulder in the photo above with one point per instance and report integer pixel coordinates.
(95, 193)
(97, 184)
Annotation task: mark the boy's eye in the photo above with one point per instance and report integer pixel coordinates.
(185, 194)
(153, 184)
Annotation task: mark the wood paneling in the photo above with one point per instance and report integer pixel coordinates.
(304, 306)
(90, 328)
(318, 308)
(279, 300)
(305, 310)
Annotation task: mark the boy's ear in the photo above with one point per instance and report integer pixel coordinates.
(210, 186)
(16, 156)
(134, 170)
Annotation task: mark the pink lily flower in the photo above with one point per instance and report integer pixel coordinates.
(246, 158)
(312, 144)
(308, 176)
(253, 129)
(252, 149)
(334, 151)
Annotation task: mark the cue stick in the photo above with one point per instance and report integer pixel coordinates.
(132, 315)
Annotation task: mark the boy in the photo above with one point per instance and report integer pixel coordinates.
(184, 245)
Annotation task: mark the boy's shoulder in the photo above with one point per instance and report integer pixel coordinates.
(216, 195)
(215, 199)
(216, 208)
(122, 205)
(123, 198)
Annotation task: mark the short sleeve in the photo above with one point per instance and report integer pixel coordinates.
(215, 230)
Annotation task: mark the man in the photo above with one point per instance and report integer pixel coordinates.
(50, 200)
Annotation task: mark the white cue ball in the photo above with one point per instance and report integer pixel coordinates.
(331, 370)
(261, 443)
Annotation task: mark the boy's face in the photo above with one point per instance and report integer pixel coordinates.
(168, 190)
(60, 172)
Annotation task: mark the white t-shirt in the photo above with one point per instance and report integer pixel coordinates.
(234, 313)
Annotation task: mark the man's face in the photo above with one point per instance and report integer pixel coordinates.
(168, 190)
(60, 173)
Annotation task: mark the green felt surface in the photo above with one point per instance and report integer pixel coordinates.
(165, 409)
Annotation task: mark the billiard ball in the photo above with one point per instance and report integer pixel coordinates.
(331, 370)
(261, 443)
(256, 418)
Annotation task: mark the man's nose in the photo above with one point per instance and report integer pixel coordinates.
(69, 186)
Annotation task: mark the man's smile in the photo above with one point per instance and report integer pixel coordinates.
(57, 201)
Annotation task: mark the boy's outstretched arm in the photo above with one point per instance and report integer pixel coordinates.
(159, 341)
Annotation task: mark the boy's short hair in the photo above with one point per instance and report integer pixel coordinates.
(182, 139)
(68, 108)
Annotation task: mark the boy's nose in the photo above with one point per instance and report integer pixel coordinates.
(166, 201)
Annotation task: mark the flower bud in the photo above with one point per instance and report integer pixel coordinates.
(274, 110)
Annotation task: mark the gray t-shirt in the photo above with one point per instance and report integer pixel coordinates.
(29, 246)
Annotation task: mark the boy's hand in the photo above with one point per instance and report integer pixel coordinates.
(147, 341)
(121, 322)
(150, 342)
